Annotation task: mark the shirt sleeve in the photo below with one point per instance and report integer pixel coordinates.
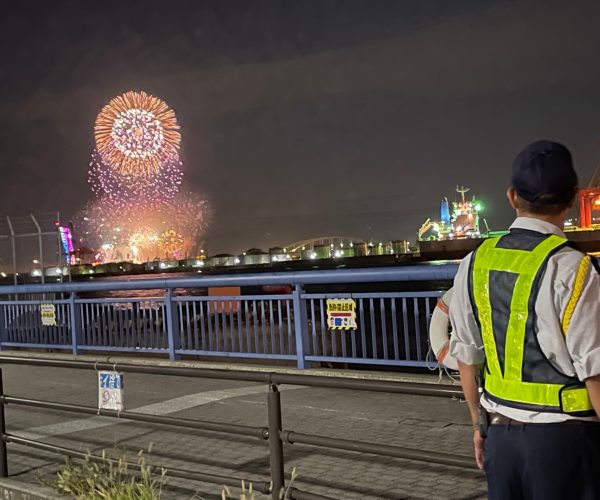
(465, 341)
(583, 333)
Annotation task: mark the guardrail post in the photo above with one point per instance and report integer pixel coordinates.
(3, 329)
(172, 324)
(275, 443)
(75, 320)
(3, 454)
(300, 325)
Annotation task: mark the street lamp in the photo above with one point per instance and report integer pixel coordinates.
(37, 271)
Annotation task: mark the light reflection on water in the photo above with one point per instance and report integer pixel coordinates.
(158, 292)
(155, 293)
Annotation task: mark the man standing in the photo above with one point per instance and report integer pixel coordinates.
(526, 328)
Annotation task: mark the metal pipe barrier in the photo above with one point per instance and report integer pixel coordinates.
(261, 486)
(273, 432)
(183, 319)
(419, 272)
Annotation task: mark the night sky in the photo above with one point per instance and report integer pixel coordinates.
(303, 118)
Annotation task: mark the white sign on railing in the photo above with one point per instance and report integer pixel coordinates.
(110, 390)
(48, 314)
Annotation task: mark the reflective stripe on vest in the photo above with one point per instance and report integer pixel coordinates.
(506, 383)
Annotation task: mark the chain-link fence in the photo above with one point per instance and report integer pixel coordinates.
(31, 244)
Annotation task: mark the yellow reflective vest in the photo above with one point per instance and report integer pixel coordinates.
(504, 283)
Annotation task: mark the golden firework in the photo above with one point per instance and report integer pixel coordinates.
(171, 243)
(136, 134)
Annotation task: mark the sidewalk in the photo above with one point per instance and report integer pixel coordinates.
(413, 421)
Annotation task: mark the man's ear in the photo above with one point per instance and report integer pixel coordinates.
(511, 194)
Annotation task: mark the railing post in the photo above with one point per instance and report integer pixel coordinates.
(75, 320)
(3, 329)
(172, 324)
(300, 325)
(3, 454)
(275, 443)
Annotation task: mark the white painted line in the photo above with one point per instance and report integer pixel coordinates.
(163, 408)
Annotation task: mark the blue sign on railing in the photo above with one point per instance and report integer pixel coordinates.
(110, 390)
(111, 380)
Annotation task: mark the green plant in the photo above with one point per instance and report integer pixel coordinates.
(109, 479)
(249, 493)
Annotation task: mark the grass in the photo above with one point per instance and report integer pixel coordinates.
(117, 479)
(114, 479)
(247, 493)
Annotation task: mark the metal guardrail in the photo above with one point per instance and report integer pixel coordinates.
(273, 433)
(392, 326)
(419, 272)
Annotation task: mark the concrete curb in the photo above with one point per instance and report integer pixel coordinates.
(12, 489)
(433, 378)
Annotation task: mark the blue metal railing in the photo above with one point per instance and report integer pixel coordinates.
(181, 320)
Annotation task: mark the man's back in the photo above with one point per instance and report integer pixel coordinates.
(526, 316)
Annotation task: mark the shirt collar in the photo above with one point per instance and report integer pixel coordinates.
(537, 225)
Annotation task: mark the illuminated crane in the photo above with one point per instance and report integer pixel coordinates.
(589, 200)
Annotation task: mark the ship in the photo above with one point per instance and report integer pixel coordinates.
(461, 228)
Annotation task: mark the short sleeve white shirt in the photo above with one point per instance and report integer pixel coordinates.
(575, 352)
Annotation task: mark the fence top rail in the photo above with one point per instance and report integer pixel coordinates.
(270, 378)
(418, 272)
(374, 295)
(33, 302)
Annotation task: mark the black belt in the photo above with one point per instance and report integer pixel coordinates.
(497, 419)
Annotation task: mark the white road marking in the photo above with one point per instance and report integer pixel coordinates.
(163, 408)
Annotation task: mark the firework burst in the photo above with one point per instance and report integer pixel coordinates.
(171, 244)
(136, 134)
(132, 232)
(139, 213)
(119, 190)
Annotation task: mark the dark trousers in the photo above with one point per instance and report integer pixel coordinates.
(543, 461)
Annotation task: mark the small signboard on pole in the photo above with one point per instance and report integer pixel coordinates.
(48, 314)
(110, 390)
(341, 314)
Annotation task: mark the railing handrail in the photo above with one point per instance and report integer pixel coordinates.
(418, 272)
(262, 377)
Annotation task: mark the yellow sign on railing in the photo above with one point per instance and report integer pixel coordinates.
(341, 314)
(48, 314)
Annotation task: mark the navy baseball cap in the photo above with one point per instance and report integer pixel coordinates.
(544, 173)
